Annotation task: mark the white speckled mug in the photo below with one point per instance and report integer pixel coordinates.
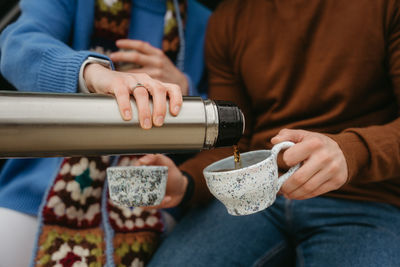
(251, 188)
(137, 186)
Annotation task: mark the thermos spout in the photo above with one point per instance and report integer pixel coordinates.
(50, 125)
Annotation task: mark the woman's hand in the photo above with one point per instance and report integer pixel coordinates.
(152, 60)
(176, 183)
(105, 81)
(324, 167)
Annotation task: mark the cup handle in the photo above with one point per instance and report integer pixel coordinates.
(275, 151)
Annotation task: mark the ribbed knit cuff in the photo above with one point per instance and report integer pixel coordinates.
(60, 69)
(354, 150)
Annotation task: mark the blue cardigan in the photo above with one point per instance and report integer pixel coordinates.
(43, 51)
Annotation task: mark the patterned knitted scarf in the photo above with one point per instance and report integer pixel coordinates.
(79, 224)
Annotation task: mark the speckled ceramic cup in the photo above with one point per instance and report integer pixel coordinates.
(137, 186)
(253, 187)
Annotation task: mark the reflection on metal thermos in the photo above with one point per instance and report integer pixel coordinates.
(49, 125)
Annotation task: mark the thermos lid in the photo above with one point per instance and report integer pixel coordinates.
(230, 123)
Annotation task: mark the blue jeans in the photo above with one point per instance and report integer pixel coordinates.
(315, 232)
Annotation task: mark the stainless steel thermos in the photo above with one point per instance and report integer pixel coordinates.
(49, 125)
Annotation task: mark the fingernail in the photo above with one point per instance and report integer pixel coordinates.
(176, 109)
(147, 123)
(167, 199)
(159, 120)
(127, 114)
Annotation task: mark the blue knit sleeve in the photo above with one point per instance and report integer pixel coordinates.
(35, 55)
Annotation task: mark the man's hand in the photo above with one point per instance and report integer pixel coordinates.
(323, 169)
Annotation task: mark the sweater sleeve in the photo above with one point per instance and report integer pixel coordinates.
(373, 153)
(34, 51)
(224, 84)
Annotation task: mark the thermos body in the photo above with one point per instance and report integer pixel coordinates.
(49, 125)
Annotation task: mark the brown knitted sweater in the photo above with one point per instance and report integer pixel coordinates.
(329, 66)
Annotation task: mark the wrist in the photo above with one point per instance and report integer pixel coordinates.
(89, 72)
(85, 76)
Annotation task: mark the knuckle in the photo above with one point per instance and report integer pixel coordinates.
(135, 56)
(323, 157)
(147, 86)
(298, 179)
(142, 45)
(140, 92)
(334, 167)
(158, 63)
(144, 76)
(308, 188)
(117, 88)
(158, 52)
(160, 89)
(316, 143)
(284, 131)
(157, 73)
(129, 79)
(173, 87)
